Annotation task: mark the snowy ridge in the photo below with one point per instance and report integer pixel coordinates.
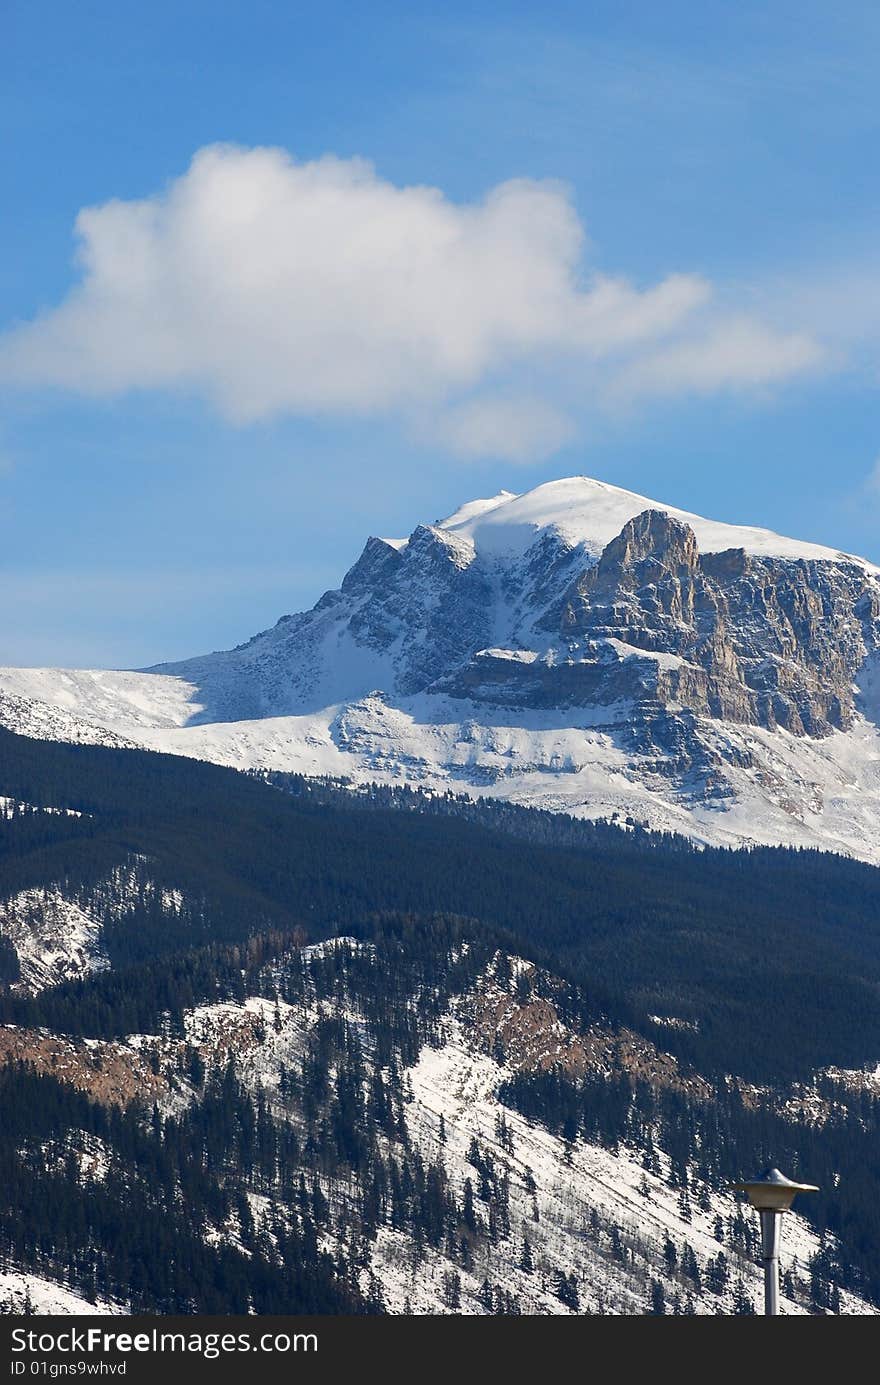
(31, 715)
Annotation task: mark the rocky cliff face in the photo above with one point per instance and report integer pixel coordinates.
(755, 640)
(431, 607)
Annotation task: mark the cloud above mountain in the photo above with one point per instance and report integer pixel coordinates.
(272, 287)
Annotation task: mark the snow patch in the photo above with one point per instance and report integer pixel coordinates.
(23, 1293)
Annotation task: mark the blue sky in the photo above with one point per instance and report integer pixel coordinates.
(649, 255)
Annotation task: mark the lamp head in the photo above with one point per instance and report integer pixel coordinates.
(771, 1191)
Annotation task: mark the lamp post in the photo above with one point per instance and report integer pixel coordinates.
(771, 1194)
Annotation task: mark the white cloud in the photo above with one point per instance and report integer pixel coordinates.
(273, 287)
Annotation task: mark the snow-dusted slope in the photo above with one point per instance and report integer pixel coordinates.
(597, 1214)
(578, 647)
(606, 1218)
(54, 938)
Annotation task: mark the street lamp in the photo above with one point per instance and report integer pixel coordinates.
(771, 1194)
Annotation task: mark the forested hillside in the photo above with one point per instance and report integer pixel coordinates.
(270, 1109)
(748, 947)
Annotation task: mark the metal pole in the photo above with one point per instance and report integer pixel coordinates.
(770, 1227)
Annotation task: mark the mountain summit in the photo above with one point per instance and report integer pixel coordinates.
(578, 647)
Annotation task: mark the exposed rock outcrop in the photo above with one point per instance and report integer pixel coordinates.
(746, 639)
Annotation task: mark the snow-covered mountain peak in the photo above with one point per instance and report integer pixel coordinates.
(590, 512)
(576, 647)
